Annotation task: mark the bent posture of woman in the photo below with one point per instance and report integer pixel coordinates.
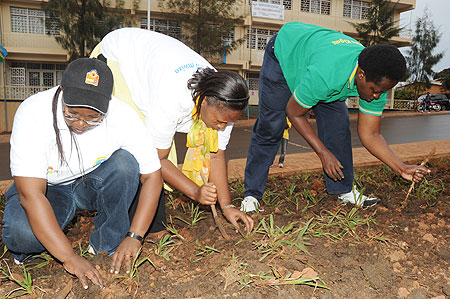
(177, 90)
(74, 147)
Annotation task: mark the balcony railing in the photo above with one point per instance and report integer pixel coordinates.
(18, 93)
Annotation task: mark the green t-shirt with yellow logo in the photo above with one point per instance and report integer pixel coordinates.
(320, 64)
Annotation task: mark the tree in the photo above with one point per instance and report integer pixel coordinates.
(420, 56)
(446, 82)
(404, 93)
(380, 25)
(442, 74)
(83, 23)
(208, 25)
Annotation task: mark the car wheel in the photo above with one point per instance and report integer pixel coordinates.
(421, 108)
(437, 107)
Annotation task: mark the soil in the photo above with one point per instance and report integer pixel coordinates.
(391, 250)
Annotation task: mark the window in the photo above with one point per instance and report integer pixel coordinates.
(170, 28)
(27, 20)
(17, 76)
(258, 38)
(322, 7)
(356, 9)
(253, 80)
(36, 74)
(48, 79)
(228, 38)
(34, 79)
(287, 3)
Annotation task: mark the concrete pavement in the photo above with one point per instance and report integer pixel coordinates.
(294, 163)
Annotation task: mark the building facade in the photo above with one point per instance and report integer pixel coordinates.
(36, 61)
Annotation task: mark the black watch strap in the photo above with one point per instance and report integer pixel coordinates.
(134, 236)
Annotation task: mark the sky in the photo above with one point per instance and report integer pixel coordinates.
(438, 11)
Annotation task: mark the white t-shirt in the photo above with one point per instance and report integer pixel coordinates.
(156, 68)
(34, 152)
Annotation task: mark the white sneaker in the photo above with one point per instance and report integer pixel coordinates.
(250, 204)
(91, 250)
(17, 262)
(357, 198)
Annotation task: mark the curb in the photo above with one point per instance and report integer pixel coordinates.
(353, 116)
(309, 162)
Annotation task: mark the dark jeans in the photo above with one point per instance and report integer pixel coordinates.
(332, 122)
(109, 190)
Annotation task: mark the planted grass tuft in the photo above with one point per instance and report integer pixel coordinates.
(173, 230)
(430, 190)
(164, 246)
(24, 282)
(132, 278)
(279, 241)
(84, 252)
(204, 251)
(271, 198)
(195, 215)
(340, 224)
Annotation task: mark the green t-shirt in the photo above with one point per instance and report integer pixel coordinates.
(319, 64)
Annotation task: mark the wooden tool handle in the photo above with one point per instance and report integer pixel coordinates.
(214, 212)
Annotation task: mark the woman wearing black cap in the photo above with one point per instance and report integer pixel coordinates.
(74, 147)
(176, 90)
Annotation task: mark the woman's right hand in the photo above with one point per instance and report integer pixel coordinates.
(207, 194)
(83, 269)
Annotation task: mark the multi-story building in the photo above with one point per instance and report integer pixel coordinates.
(36, 61)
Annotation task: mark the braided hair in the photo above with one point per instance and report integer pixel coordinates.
(223, 89)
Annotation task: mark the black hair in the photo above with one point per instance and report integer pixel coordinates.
(224, 89)
(382, 62)
(62, 157)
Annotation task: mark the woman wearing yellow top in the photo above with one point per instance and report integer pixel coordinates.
(176, 90)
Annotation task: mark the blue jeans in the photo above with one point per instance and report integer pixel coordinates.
(274, 94)
(109, 190)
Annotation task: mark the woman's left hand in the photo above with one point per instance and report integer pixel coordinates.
(233, 215)
(125, 253)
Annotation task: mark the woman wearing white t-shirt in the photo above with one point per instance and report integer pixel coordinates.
(176, 90)
(74, 147)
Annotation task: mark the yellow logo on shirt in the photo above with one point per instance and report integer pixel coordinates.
(346, 41)
(49, 170)
(100, 160)
(92, 78)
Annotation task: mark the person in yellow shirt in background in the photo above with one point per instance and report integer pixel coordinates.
(284, 143)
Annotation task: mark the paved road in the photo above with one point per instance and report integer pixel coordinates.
(396, 130)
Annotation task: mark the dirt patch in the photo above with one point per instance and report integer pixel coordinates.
(305, 246)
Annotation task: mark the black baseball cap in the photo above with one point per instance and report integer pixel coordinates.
(87, 83)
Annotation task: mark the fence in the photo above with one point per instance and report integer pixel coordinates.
(403, 104)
